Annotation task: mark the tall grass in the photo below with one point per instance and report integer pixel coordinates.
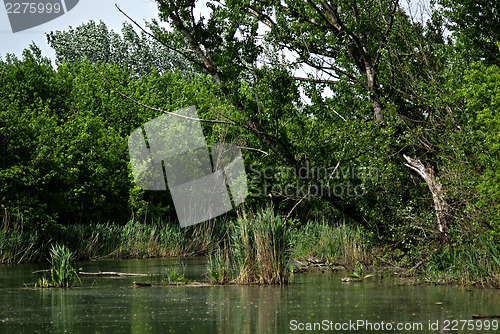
(175, 275)
(108, 240)
(62, 270)
(273, 240)
(219, 266)
(253, 248)
(17, 246)
(257, 251)
(341, 244)
(465, 264)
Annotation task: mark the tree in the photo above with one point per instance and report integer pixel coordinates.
(482, 96)
(256, 51)
(63, 139)
(346, 41)
(94, 42)
(476, 28)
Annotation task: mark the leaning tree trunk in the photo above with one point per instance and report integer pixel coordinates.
(441, 206)
(374, 96)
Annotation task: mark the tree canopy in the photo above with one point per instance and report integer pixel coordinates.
(94, 42)
(379, 86)
(351, 110)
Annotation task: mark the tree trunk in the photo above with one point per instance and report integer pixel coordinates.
(373, 91)
(441, 206)
(377, 107)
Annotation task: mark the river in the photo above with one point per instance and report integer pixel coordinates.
(311, 301)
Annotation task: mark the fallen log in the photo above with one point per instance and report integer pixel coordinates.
(485, 316)
(100, 273)
(41, 271)
(137, 284)
(112, 273)
(141, 284)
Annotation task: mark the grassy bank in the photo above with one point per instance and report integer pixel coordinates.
(338, 244)
(464, 264)
(257, 247)
(108, 240)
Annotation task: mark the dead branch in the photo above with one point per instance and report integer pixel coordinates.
(441, 206)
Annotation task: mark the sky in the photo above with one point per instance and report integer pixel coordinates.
(85, 10)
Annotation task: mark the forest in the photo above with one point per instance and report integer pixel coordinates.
(372, 135)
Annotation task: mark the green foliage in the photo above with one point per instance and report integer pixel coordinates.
(358, 56)
(475, 25)
(62, 271)
(175, 275)
(63, 152)
(94, 42)
(482, 93)
(358, 274)
(64, 155)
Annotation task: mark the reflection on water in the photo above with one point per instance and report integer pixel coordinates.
(111, 305)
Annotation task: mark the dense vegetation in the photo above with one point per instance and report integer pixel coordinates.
(327, 99)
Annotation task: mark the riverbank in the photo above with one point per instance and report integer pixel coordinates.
(267, 249)
(110, 241)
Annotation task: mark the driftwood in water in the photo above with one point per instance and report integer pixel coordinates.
(140, 284)
(441, 206)
(485, 316)
(41, 271)
(100, 273)
(111, 273)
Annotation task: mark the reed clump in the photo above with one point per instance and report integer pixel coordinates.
(219, 266)
(256, 251)
(63, 273)
(62, 270)
(175, 275)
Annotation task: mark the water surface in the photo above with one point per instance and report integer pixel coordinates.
(111, 305)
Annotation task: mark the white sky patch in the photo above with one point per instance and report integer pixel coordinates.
(419, 11)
